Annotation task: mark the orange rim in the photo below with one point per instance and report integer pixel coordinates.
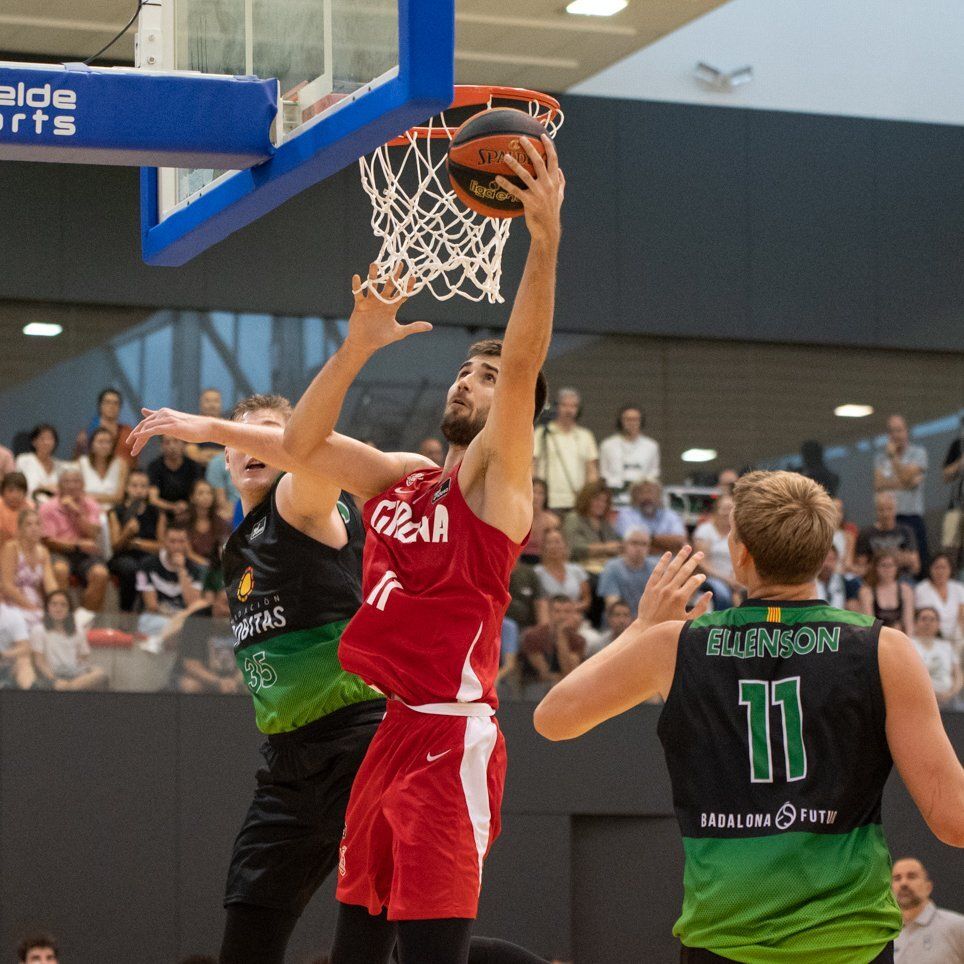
(481, 96)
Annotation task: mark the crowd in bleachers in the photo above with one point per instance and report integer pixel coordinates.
(99, 552)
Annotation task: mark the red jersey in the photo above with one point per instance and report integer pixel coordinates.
(435, 586)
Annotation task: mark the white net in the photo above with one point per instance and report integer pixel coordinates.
(427, 235)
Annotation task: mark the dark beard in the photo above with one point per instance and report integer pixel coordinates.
(458, 429)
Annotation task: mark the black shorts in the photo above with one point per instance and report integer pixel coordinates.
(699, 955)
(80, 564)
(288, 843)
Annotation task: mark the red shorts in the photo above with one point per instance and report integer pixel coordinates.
(423, 813)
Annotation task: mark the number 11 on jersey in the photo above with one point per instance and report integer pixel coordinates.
(758, 696)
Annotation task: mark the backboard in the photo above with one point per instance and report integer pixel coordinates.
(352, 75)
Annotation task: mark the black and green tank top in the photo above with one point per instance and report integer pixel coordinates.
(774, 737)
(290, 599)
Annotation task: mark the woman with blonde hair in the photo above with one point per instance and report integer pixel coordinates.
(26, 574)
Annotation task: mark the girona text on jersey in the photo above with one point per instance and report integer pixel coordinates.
(390, 518)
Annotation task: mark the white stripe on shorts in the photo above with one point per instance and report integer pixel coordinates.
(481, 734)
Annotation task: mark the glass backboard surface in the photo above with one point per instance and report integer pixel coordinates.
(319, 50)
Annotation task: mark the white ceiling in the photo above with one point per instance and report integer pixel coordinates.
(888, 59)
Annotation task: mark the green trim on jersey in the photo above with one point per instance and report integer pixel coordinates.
(296, 678)
(789, 616)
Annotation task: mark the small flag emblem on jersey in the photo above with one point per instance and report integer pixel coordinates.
(774, 614)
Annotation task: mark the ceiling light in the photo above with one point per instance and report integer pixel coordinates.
(43, 328)
(596, 8)
(698, 455)
(854, 411)
(720, 79)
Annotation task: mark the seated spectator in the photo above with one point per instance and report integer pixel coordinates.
(225, 494)
(16, 660)
(7, 462)
(565, 453)
(712, 539)
(60, 650)
(885, 596)
(619, 616)
(666, 529)
(172, 476)
(624, 578)
(210, 406)
(40, 949)
(39, 466)
(942, 662)
(26, 572)
(432, 449)
(559, 576)
(952, 527)
(836, 588)
(509, 653)
(105, 474)
(527, 603)
(844, 539)
(591, 539)
(543, 521)
(206, 662)
(944, 595)
(813, 467)
(887, 534)
(628, 456)
(168, 582)
(550, 652)
(726, 480)
(71, 531)
(13, 500)
(109, 404)
(206, 530)
(136, 531)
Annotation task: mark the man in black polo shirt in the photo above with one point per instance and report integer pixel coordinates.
(172, 476)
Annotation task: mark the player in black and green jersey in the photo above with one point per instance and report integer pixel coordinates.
(782, 717)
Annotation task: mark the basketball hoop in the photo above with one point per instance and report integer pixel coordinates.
(424, 229)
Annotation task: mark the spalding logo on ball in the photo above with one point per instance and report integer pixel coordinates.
(477, 156)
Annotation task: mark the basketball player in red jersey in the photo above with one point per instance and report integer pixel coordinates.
(442, 542)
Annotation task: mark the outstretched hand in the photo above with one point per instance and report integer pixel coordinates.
(373, 324)
(168, 421)
(543, 191)
(670, 588)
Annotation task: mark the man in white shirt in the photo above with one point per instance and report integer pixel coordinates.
(930, 935)
(628, 455)
(565, 456)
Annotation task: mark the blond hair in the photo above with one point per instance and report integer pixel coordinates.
(257, 403)
(786, 521)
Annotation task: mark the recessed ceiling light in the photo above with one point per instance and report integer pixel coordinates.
(43, 328)
(854, 411)
(596, 8)
(698, 455)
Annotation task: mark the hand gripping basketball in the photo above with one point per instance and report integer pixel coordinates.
(372, 324)
(543, 190)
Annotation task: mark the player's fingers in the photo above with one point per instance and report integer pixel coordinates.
(660, 568)
(356, 288)
(510, 188)
(676, 562)
(520, 172)
(415, 328)
(687, 588)
(687, 568)
(702, 606)
(552, 158)
(538, 164)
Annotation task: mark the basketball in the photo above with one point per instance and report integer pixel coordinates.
(477, 155)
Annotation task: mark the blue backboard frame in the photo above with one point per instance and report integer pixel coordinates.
(423, 86)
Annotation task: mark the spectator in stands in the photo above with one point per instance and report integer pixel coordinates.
(628, 455)
(711, 538)
(225, 494)
(565, 453)
(168, 582)
(944, 595)
(885, 596)
(206, 662)
(60, 650)
(591, 538)
(887, 534)
(206, 530)
(210, 406)
(26, 572)
(40, 466)
(559, 576)
(543, 521)
(527, 603)
(952, 531)
(813, 467)
(624, 578)
(844, 539)
(39, 949)
(726, 480)
(13, 500)
(7, 462)
(72, 531)
(136, 531)
(942, 662)
(172, 476)
(109, 404)
(105, 474)
(552, 651)
(666, 529)
(619, 615)
(835, 587)
(432, 449)
(901, 469)
(16, 661)
(931, 935)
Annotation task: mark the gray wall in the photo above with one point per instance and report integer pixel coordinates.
(680, 220)
(117, 814)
